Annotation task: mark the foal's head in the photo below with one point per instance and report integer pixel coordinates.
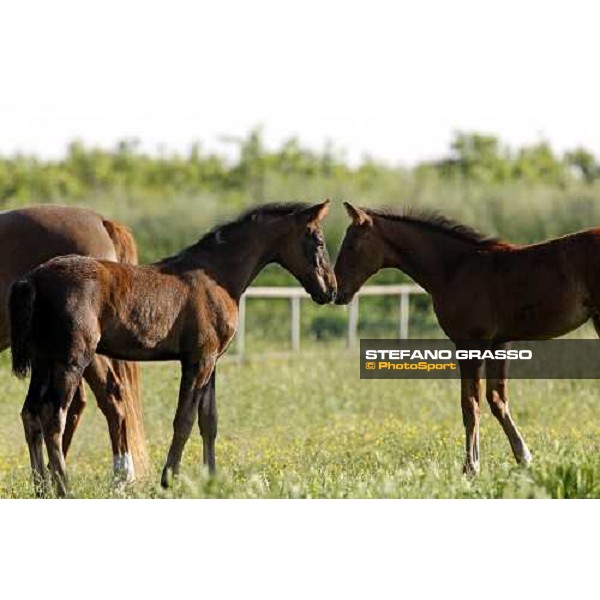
(304, 254)
(361, 254)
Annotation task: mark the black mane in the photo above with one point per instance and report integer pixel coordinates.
(220, 233)
(434, 221)
(255, 214)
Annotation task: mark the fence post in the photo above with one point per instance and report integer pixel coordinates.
(403, 327)
(352, 322)
(241, 330)
(295, 296)
(295, 304)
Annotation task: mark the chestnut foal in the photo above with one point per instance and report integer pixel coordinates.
(182, 308)
(486, 293)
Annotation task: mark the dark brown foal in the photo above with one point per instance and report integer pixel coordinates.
(486, 293)
(182, 308)
(31, 236)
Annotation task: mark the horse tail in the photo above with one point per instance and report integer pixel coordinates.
(21, 303)
(129, 372)
(123, 241)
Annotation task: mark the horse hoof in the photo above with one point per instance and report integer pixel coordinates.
(62, 490)
(123, 470)
(525, 459)
(167, 478)
(471, 470)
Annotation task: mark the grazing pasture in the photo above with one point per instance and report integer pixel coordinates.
(313, 429)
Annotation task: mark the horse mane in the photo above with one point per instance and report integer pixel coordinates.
(434, 221)
(255, 214)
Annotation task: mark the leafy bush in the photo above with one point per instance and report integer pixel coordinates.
(170, 199)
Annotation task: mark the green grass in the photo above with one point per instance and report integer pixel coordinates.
(309, 427)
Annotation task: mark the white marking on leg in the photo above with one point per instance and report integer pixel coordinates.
(526, 457)
(123, 467)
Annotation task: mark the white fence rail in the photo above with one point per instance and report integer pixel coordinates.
(296, 294)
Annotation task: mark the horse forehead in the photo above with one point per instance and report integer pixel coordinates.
(353, 231)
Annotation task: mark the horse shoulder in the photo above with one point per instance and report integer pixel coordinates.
(215, 312)
(464, 306)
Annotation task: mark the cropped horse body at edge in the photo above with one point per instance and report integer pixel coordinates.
(29, 237)
(486, 293)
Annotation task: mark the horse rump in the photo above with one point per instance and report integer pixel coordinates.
(21, 303)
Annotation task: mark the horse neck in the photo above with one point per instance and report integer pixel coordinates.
(427, 256)
(235, 261)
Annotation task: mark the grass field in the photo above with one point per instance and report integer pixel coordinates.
(308, 427)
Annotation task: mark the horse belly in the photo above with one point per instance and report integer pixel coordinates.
(549, 318)
(150, 335)
(123, 344)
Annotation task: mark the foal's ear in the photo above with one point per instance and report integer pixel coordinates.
(315, 214)
(358, 215)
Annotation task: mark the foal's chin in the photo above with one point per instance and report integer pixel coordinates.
(343, 298)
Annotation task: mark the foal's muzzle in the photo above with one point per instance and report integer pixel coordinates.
(323, 296)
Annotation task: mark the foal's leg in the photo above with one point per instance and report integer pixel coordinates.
(469, 400)
(73, 417)
(32, 424)
(64, 382)
(194, 377)
(106, 386)
(207, 418)
(497, 397)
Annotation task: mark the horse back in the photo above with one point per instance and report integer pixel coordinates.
(33, 235)
(524, 292)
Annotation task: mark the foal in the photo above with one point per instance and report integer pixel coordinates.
(486, 293)
(182, 308)
(29, 237)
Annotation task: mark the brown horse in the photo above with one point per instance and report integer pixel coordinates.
(182, 308)
(33, 235)
(486, 293)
